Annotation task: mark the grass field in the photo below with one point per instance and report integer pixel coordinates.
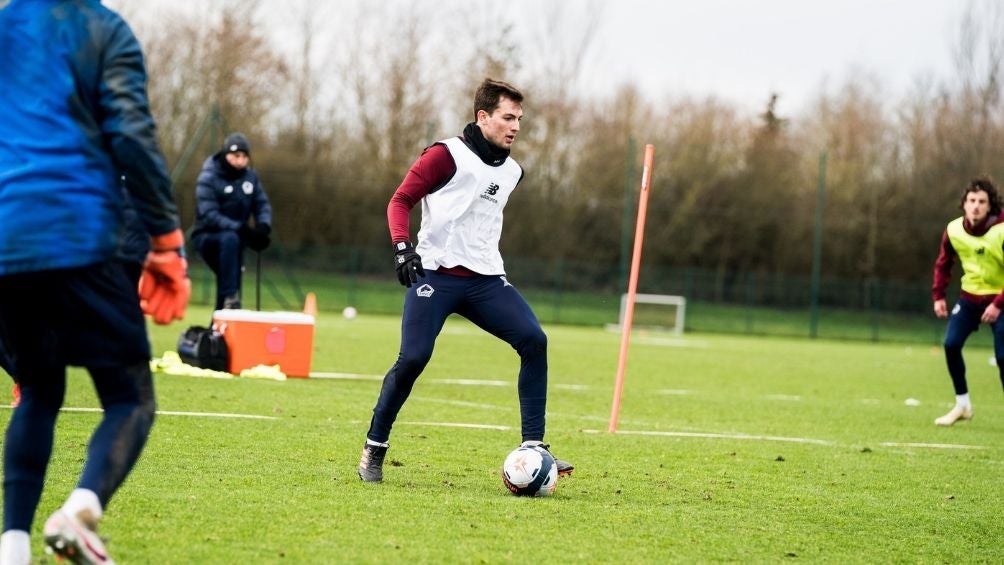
(729, 449)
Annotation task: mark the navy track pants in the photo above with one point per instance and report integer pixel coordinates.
(491, 303)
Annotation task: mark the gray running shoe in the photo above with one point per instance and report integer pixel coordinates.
(564, 467)
(371, 463)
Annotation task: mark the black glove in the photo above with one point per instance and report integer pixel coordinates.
(408, 263)
(256, 238)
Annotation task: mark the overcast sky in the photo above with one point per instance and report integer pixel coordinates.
(742, 50)
(738, 50)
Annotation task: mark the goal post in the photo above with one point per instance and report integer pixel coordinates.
(661, 312)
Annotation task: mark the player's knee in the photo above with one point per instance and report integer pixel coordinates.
(413, 361)
(230, 242)
(533, 343)
(145, 399)
(953, 347)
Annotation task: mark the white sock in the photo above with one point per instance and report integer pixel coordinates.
(15, 547)
(83, 499)
(376, 443)
(962, 400)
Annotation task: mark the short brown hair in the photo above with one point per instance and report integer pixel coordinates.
(986, 184)
(490, 93)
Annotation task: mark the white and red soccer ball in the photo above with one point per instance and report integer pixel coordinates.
(530, 471)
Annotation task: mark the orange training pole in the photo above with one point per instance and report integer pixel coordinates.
(639, 236)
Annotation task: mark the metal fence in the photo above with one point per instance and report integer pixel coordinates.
(570, 292)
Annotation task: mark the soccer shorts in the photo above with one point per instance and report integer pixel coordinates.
(86, 316)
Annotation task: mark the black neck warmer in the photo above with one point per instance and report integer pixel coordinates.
(489, 153)
(229, 171)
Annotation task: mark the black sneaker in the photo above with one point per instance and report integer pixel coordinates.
(564, 467)
(371, 463)
(232, 302)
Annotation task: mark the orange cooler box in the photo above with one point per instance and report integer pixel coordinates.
(267, 338)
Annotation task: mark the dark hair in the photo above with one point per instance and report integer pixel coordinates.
(490, 93)
(986, 184)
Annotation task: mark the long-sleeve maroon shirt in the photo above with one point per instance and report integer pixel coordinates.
(429, 172)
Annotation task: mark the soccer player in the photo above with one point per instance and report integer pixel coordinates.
(462, 183)
(976, 241)
(75, 120)
(227, 195)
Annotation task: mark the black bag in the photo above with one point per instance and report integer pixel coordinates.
(203, 347)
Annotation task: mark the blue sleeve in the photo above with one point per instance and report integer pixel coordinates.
(130, 133)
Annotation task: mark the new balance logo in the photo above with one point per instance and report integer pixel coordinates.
(489, 192)
(980, 251)
(425, 290)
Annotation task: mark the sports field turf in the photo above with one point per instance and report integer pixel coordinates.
(729, 449)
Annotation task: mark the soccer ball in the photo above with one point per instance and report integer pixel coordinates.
(530, 471)
(349, 313)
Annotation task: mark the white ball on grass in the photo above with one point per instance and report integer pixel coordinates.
(349, 312)
(530, 471)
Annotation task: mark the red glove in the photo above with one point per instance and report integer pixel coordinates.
(164, 287)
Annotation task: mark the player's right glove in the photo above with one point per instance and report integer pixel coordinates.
(408, 263)
(164, 287)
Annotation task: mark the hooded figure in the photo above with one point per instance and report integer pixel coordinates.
(228, 195)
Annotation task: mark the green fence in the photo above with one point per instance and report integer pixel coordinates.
(565, 292)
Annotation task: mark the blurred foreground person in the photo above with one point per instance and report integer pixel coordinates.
(76, 120)
(975, 241)
(462, 183)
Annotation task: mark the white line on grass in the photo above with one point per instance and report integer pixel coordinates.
(570, 387)
(669, 342)
(466, 382)
(784, 439)
(345, 376)
(459, 425)
(360, 377)
(720, 436)
(932, 445)
(471, 382)
(463, 403)
(196, 414)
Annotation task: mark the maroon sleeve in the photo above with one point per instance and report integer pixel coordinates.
(943, 268)
(433, 169)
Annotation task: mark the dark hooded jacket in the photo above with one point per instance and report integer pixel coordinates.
(226, 198)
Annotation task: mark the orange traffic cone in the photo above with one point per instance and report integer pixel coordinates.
(310, 304)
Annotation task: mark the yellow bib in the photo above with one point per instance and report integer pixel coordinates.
(982, 258)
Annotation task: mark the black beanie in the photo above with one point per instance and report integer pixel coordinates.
(237, 142)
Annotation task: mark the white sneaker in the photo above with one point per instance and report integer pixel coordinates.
(15, 548)
(73, 537)
(954, 415)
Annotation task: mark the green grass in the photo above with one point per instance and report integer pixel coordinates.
(729, 449)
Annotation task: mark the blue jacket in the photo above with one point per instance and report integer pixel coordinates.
(226, 198)
(75, 119)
